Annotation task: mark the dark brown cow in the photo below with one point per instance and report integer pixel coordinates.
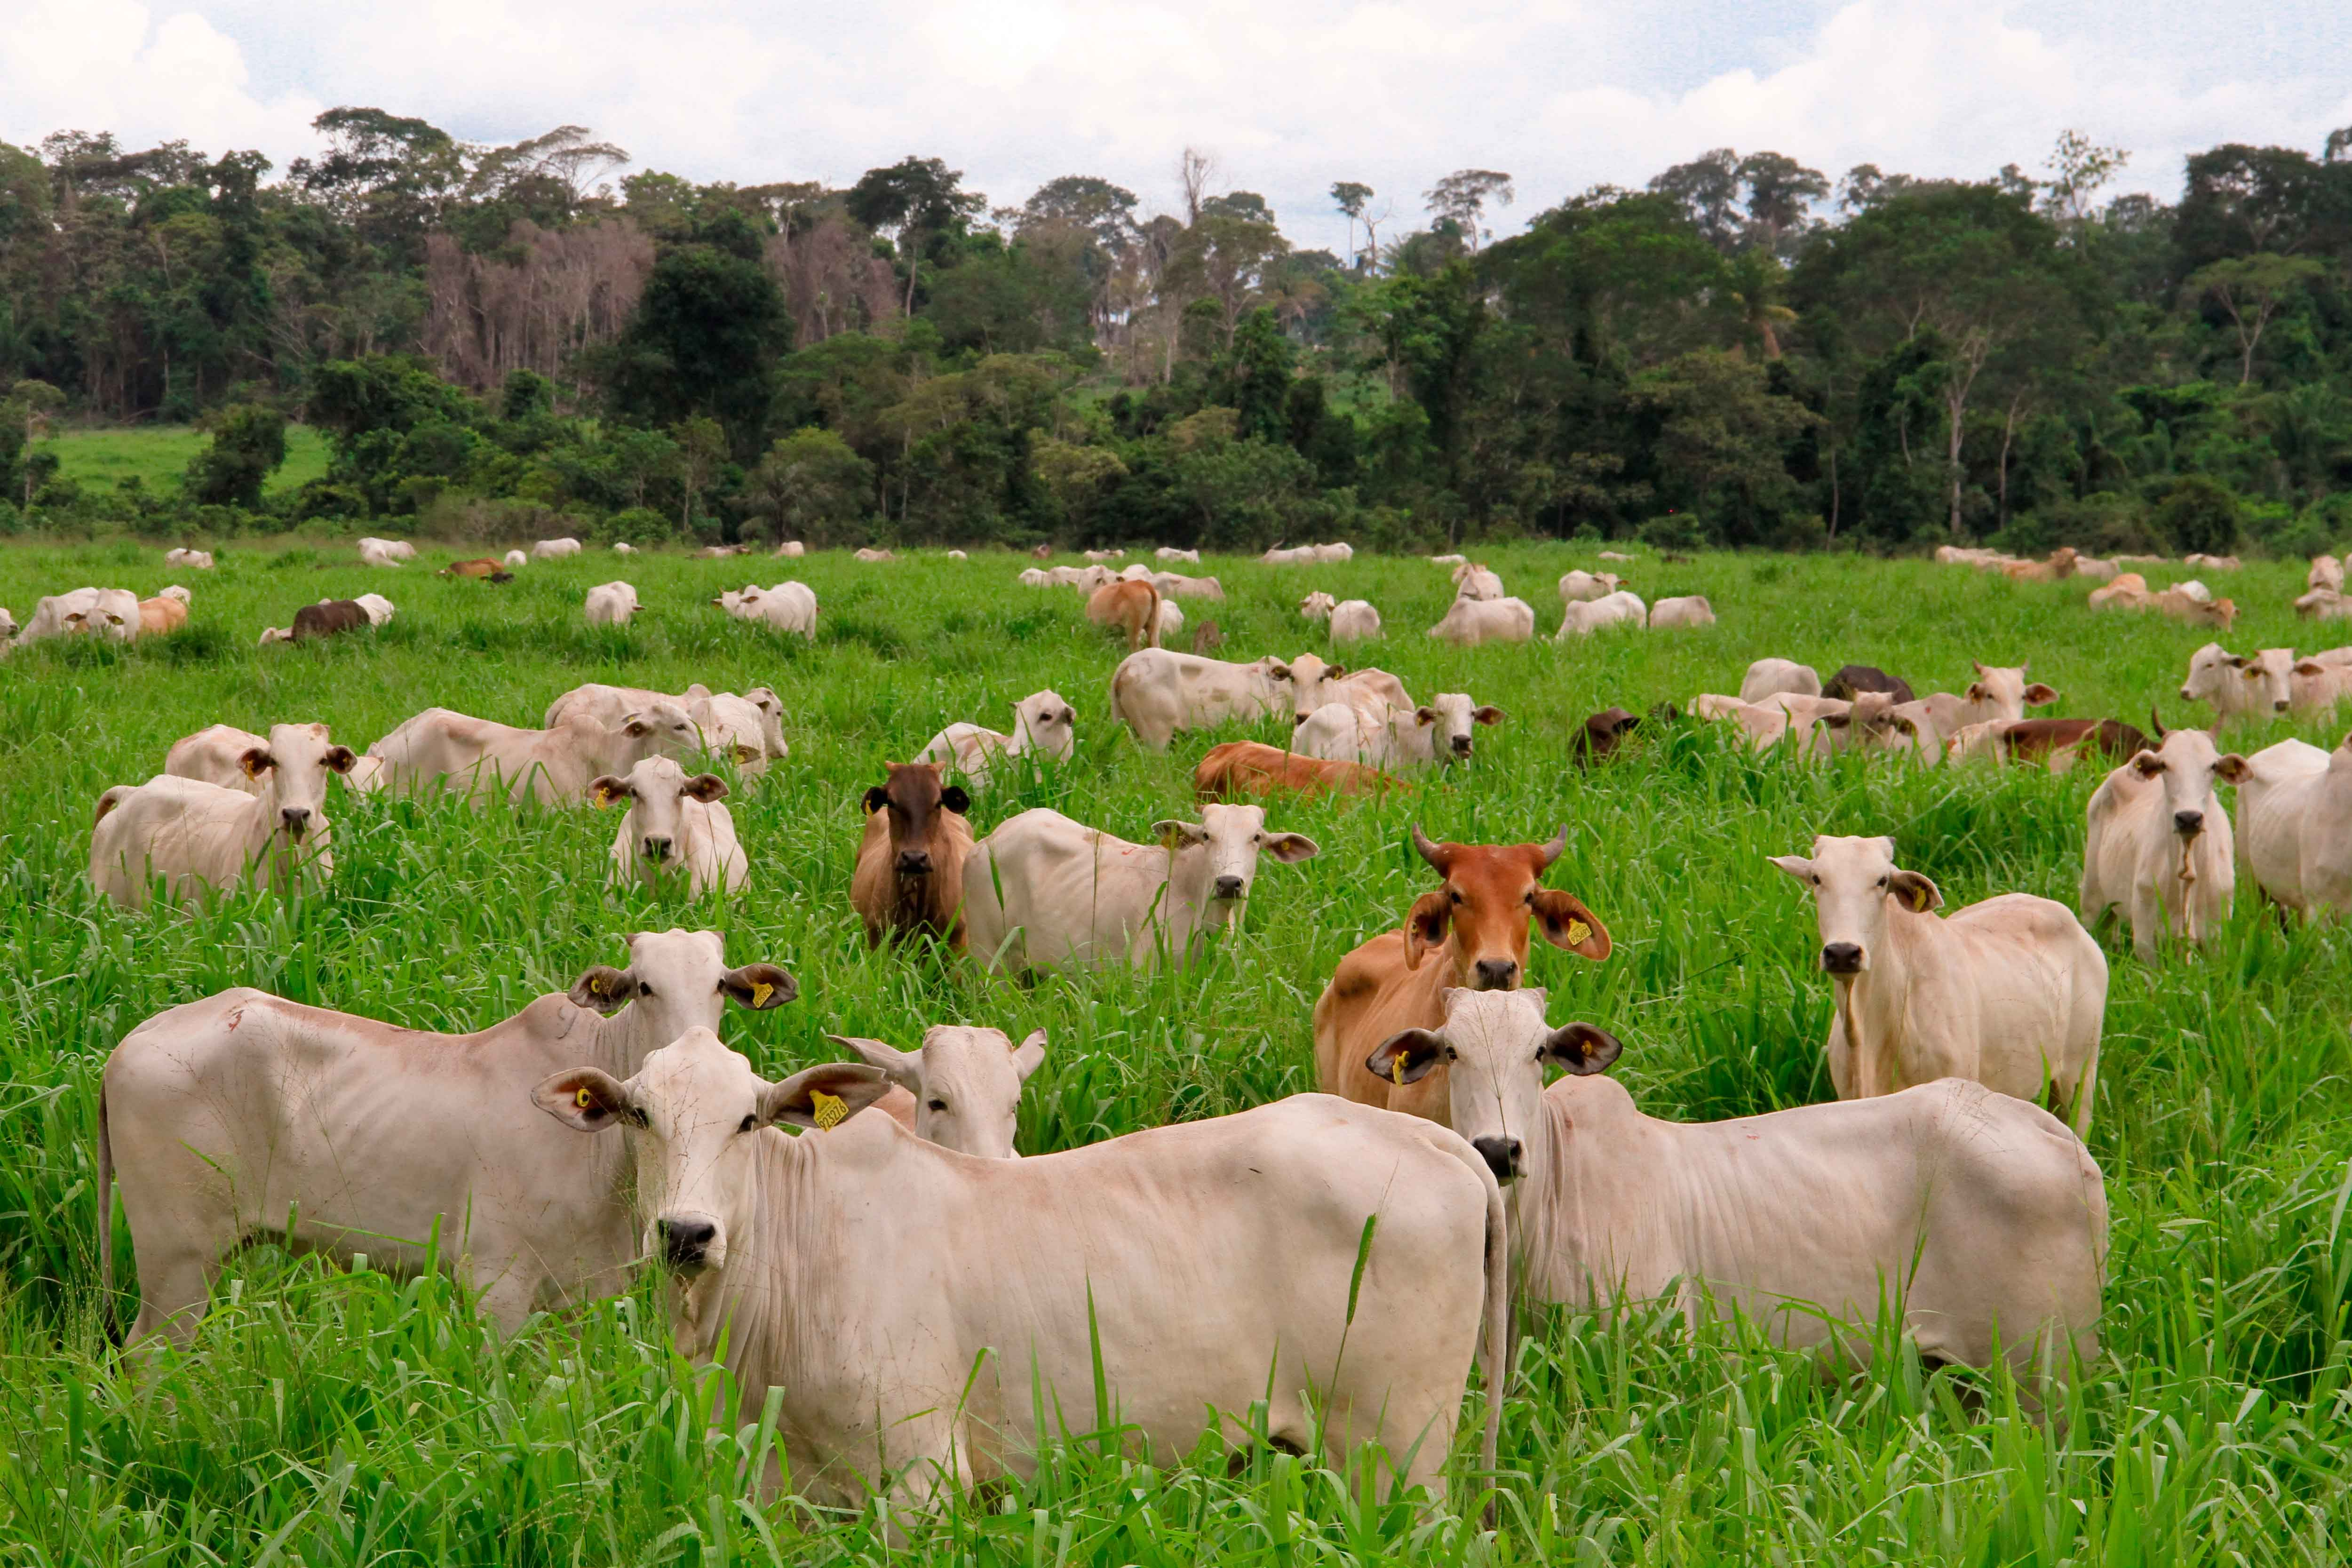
(909, 875)
(1856, 679)
(1597, 740)
(1478, 924)
(1240, 769)
(328, 618)
(480, 566)
(2058, 742)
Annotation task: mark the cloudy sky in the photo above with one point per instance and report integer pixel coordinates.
(1290, 95)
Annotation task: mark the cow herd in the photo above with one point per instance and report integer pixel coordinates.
(923, 1302)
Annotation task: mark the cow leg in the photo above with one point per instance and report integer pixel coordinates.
(2086, 1091)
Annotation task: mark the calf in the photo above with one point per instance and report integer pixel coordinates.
(674, 822)
(1470, 622)
(924, 1379)
(2295, 825)
(1978, 1217)
(201, 837)
(2159, 844)
(1583, 617)
(1580, 586)
(1855, 679)
(481, 567)
(1156, 692)
(1241, 770)
(1436, 732)
(965, 1083)
(2239, 687)
(909, 878)
(1471, 932)
(2010, 993)
(1044, 893)
(611, 604)
(1207, 638)
(454, 753)
(1693, 610)
(1129, 607)
(1044, 724)
(1768, 676)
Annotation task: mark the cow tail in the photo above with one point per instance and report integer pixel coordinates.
(105, 1215)
(1151, 617)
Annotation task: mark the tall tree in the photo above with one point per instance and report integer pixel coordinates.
(2250, 290)
(920, 200)
(1461, 200)
(1349, 197)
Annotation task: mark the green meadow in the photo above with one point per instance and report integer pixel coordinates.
(100, 457)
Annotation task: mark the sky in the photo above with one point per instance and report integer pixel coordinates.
(1288, 95)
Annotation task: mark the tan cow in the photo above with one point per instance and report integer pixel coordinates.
(1129, 607)
(2125, 591)
(165, 614)
(674, 823)
(1999, 691)
(440, 751)
(2159, 845)
(2010, 993)
(2295, 825)
(1157, 691)
(965, 1083)
(200, 837)
(1044, 725)
(909, 875)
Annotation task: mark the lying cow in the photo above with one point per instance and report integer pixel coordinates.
(201, 837)
(1243, 770)
(1176, 585)
(965, 1084)
(385, 551)
(442, 750)
(1044, 725)
(789, 606)
(1999, 691)
(245, 1116)
(2056, 744)
(674, 823)
(911, 856)
(2323, 604)
(1853, 679)
(610, 605)
(2159, 845)
(554, 549)
(2319, 683)
(1603, 734)
(869, 553)
(1044, 893)
(1169, 553)
(1157, 691)
(165, 614)
(1691, 610)
(1583, 617)
(1581, 586)
(1355, 620)
(1768, 676)
(1439, 732)
(2010, 993)
(481, 568)
(1470, 622)
(2295, 825)
(611, 705)
(327, 619)
(516, 560)
(923, 1354)
(1981, 1216)
(1314, 683)
(202, 560)
(2238, 687)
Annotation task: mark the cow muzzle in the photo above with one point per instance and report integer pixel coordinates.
(656, 850)
(2189, 823)
(1228, 887)
(1842, 957)
(1495, 975)
(914, 862)
(297, 820)
(2278, 707)
(686, 1239)
(1461, 745)
(1504, 1156)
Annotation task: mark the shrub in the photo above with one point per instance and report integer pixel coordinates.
(2199, 515)
(248, 444)
(1673, 530)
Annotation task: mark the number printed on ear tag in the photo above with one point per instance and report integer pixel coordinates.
(759, 990)
(826, 1109)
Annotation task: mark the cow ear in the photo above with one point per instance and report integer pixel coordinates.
(1425, 716)
(954, 798)
(1796, 866)
(1174, 834)
(875, 799)
(1978, 667)
(342, 759)
(256, 761)
(1335, 672)
(1567, 923)
(1406, 1057)
(707, 787)
(1424, 925)
(1487, 713)
(2147, 764)
(904, 1068)
(2231, 769)
(1029, 1055)
(1291, 848)
(1917, 893)
(760, 986)
(2040, 695)
(1582, 1049)
(602, 987)
(585, 1099)
(824, 1096)
(2309, 667)
(604, 789)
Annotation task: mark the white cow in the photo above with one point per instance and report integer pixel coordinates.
(516, 560)
(1580, 586)
(1370, 692)
(1690, 610)
(2238, 687)
(1044, 724)
(789, 606)
(674, 822)
(867, 553)
(2159, 844)
(623, 547)
(1176, 585)
(202, 837)
(1767, 676)
(1582, 619)
(1169, 622)
(443, 751)
(1981, 1215)
(1473, 581)
(2010, 993)
(1169, 553)
(1452, 560)
(1437, 732)
(925, 1354)
(1156, 691)
(748, 728)
(377, 608)
(2323, 604)
(385, 551)
(2295, 825)
(611, 604)
(59, 614)
(242, 1115)
(194, 560)
(1355, 620)
(965, 1083)
(1045, 892)
(554, 549)
(1301, 555)
(611, 705)
(215, 755)
(1469, 622)
(2326, 571)
(959, 555)
(792, 547)
(1317, 605)
(114, 615)
(2319, 683)
(1999, 691)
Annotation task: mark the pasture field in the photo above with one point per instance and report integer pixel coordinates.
(334, 1418)
(158, 455)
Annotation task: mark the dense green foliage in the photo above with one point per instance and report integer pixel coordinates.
(1758, 353)
(333, 1418)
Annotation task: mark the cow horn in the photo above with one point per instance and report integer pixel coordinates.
(1551, 851)
(1427, 850)
(2156, 718)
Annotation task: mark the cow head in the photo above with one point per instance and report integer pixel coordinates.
(2233, 683)
(293, 769)
(1049, 722)
(1220, 852)
(2001, 692)
(772, 714)
(658, 790)
(1449, 718)
(1312, 683)
(913, 797)
(697, 1108)
(2187, 766)
(659, 729)
(1494, 1045)
(966, 1083)
(1480, 915)
(1598, 739)
(679, 980)
(1856, 885)
(1317, 605)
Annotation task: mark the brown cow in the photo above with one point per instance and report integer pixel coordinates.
(1131, 604)
(2058, 742)
(909, 875)
(1478, 922)
(1207, 638)
(1239, 770)
(1043, 553)
(1597, 740)
(327, 617)
(480, 566)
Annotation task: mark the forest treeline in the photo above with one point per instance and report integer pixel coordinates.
(498, 339)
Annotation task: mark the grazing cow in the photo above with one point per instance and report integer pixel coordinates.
(1580, 586)
(2323, 604)
(1045, 892)
(1452, 560)
(1691, 610)
(912, 856)
(2238, 687)
(1044, 724)
(2295, 825)
(611, 604)
(1317, 605)
(1355, 620)
(1207, 638)
(481, 568)
(1157, 691)
(554, 549)
(1245, 770)
(1583, 617)
(1763, 724)
(869, 554)
(2319, 683)
(1472, 580)
(203, 837)
(1169, 553)
(443, 751)
(789, 548)
(1873, 721)
(1469, 622)
(516, 560)
(2096, 569)
(623, 547)
(959, 555)
(194, 560)
(1438, 732)
(2326, 571)
(789, 606)
(674, 822)
(1335, 553)
(165, 614)
(1042, 552)
(2159, 844)
(1999, 691)
(916, 1355)
(2210, 563)
(1176, 585)
(1982, 1216)
(244, 1117)
(1767, 676)
(2010, 993)
(1127, 606)
(965, 1083)
(1478, 924)
(1855, 679)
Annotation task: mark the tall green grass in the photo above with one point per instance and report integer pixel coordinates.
(330, 1417)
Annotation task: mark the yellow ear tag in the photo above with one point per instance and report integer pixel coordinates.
(585, 1098)
(826, 1109)
(1396, 1070)
(1576, 931)
(759, 990)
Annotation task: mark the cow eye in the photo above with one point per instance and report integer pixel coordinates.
(1881, 881)
(746, 1124)
(1816, 878)
(936, 1104)
(644, 989)
(1452, 1055)
(1453, 894)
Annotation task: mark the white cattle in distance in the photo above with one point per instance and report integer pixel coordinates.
(1355, 620)
(2236, 686)
(376, 606)
(2159, 845)
(1044, 725)
(1045, 892)
(789, 606)
(1156, 691)
(792, 547)
(965, 1083)
(1580, 586)
(675, 823)
(1689, 610)
(203, 837)
(1105, 555)
(1176, 585)
(1615, 555)
(1583, 617)
(516, 560)
(1768, 676)
(1169, 553)
(610, 605)
(1297, 555)
(446, 752)
(913, 1359)
(869, 553)
(2295, 825)
(385, 551)
(1983, 1216)
(554, 549)
(623, 547)
(1455, 560)
(194, 560)
(2326, 571)
(1470, 622)
(1317, 605)
(1999, 691)
(2010, 993)
(1441, 731)
(1473, 581)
